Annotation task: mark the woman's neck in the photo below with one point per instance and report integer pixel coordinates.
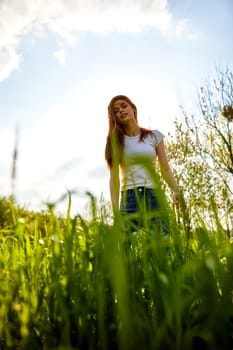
(132, 129)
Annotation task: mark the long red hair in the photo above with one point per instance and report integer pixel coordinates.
(115, 138)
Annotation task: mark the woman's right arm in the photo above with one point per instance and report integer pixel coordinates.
(115, 187)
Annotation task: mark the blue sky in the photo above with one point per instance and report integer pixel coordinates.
(61, 63)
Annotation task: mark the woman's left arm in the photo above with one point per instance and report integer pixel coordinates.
(166, 170)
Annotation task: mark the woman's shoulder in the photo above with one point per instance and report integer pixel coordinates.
(157, 132)
(158, 135)
(151, 134)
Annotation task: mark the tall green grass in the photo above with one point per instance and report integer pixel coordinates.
(77, 284)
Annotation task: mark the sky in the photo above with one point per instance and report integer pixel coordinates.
(62, 61)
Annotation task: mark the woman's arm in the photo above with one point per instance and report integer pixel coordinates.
(115, 187)
(166, 170)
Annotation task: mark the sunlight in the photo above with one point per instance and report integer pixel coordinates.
(65, 146)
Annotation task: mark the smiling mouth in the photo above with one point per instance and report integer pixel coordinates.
(124, 115)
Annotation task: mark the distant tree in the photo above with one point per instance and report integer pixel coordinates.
(13, 214)
(216, 105)
(6, 219)
(201, 151)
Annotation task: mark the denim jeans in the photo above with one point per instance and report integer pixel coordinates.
(140, 208)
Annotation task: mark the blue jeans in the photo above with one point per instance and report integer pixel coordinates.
(141, 209)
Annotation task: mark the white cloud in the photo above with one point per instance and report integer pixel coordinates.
(15, 21)
(9, 60)
(60, 56)
(7, 140)
(183, 28)
(67, 18)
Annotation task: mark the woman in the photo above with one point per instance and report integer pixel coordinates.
(130, 153)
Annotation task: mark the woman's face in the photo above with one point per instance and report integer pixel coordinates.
(123, 111)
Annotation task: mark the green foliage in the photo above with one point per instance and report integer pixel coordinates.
(92, 285)
(201, 151)
(6, 218)
(12, 215)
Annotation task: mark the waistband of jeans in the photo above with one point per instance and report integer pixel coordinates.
(139, 189)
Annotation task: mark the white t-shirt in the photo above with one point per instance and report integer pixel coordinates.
(136, 156)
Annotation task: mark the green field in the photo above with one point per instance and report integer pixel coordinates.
(69, 283)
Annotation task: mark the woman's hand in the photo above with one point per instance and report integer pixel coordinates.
(175, 198)
(178, 200)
